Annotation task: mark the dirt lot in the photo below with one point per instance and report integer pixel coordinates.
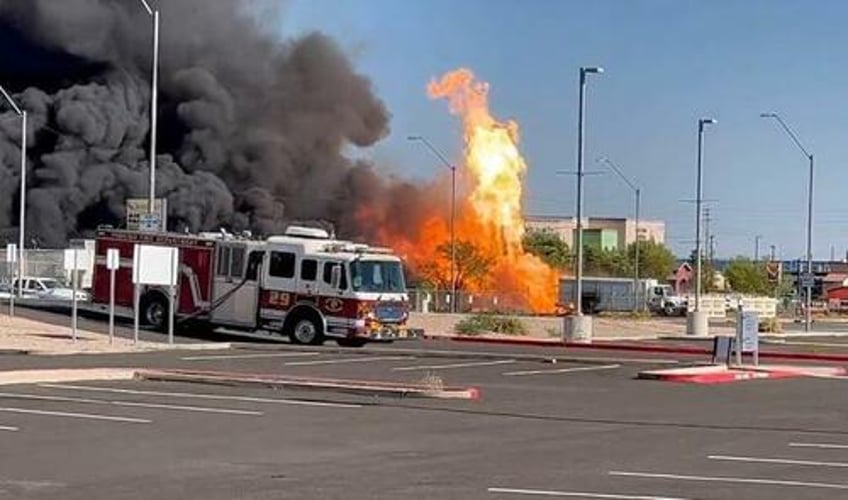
(21, 334)
(551, 327)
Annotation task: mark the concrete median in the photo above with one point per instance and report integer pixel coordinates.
(359, 387)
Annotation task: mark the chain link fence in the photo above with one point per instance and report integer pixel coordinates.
(422, 300)
(37, 263)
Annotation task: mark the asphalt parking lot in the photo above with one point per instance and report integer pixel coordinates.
(579, 428)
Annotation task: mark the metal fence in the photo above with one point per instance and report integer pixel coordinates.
(37, 263)
(467, 302)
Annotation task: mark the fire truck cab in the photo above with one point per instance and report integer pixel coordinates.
(303, 284)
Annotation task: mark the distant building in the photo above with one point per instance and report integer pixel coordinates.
(598, 232)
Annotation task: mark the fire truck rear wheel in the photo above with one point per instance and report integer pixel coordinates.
(154, 311)
(306, 330)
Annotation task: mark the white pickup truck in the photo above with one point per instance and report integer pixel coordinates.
(42, 288)
(662, 300)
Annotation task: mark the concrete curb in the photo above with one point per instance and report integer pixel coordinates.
(615, 346)
(360, 387)
(64, 375)
(132, 350)
(720, 374)
(13, 352)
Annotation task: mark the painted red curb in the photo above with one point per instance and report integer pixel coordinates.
(615, 346)
(723, 378)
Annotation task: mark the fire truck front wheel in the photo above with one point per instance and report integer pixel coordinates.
(306, 329)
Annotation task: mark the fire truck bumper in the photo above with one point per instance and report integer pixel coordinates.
(389, 333)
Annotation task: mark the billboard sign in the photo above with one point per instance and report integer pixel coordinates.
(140, 218)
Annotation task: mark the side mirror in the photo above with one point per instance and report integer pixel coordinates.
(336, 277)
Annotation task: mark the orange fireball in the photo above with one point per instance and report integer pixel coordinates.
(490, 220)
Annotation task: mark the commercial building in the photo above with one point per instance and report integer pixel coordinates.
(598, 232)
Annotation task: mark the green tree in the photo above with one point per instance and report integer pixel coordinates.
(745, 276)
(549, 247)
(655, 259)
(472, 267)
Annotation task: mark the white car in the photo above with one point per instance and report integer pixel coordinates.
(43, 288)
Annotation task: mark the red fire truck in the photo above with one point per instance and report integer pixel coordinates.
(304, 284)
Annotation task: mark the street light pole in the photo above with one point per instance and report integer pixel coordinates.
(581, 115)
(22, 215)
(452, 168)
(154, 111)
(698, 202)
(638, 193)
(808, 300)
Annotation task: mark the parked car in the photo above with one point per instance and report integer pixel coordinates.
(44, 289)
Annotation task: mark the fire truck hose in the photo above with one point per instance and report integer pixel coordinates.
(215, 305)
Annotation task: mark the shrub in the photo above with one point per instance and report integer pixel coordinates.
(490, 323)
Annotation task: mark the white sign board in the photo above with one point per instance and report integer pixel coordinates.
(113, 259)
(11, 253)
(78, 260)
(807, 280)
(155, 265)
(750, 331)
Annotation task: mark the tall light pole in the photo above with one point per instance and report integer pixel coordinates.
(638, 193)
(808, 321)
(154, 97)
(452, 168)
(22, 216)
(698, 324)
(581, 115)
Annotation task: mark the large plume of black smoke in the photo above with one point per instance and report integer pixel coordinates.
(252, 129)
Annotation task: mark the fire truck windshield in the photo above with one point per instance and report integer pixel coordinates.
(377, 276)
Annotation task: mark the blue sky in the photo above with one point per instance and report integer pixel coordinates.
(667, 62)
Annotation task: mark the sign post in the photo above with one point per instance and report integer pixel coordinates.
(72, 264)
(74, 279)
(172, 294)
(113, 262)
(11, 259)
(747, 336)
(156, 266)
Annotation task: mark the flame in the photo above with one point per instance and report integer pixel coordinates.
(489, 208)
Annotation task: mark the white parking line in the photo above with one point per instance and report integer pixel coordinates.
(562, 370)
(193, 395)
(250, 356)
(738, 480)
(8, 428)
(89, 416)
(201, 409)
(781, 461)
(454, 365)
(348, 360)
(65, 399)
(825, 446)
(578, 494)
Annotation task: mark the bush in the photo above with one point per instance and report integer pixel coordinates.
(490, 323)
(770, 325)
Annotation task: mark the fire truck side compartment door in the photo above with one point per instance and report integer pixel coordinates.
(279, 281)
(236, 286)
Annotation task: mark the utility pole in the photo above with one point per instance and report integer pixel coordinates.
(708, 237)
(712, 248)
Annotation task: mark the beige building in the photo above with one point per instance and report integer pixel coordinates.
(605, 232)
